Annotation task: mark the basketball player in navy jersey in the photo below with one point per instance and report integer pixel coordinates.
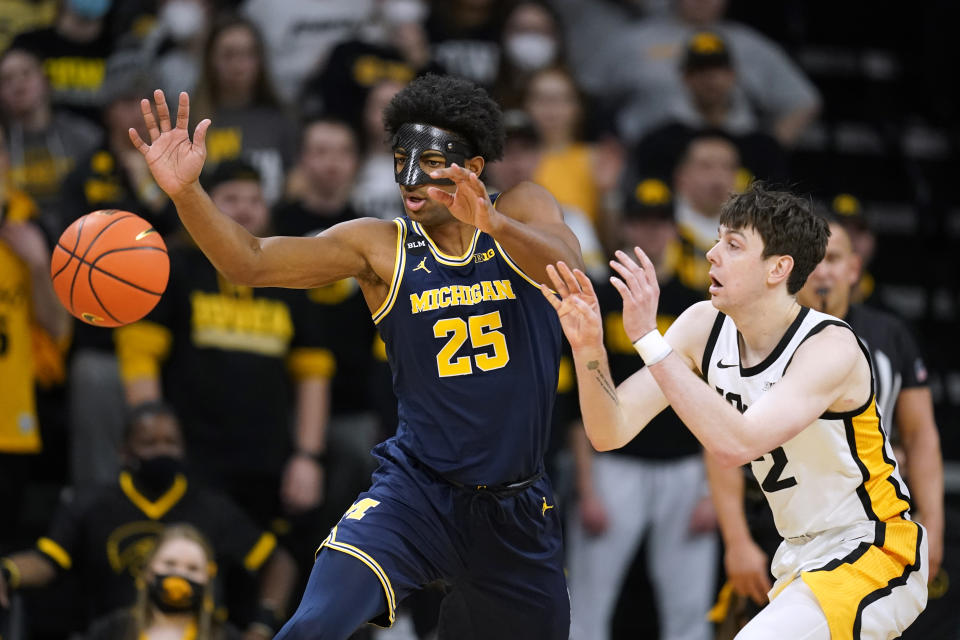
(789, 390)
(460, 494)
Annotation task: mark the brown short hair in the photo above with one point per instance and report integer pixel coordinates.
(787, 224)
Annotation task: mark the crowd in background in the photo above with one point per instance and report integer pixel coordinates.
(177, 474)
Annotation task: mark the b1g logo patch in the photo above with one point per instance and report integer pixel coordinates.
(483, 257)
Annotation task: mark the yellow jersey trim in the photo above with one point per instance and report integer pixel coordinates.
(365, 558)
(880, 484)
(260, 552)
(846, 586)
(399, 263)
(513, 266)
(158, 508)
(445, 258)
(55, 552)
(843, 591)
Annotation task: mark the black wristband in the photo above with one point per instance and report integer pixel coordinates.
(320, 457)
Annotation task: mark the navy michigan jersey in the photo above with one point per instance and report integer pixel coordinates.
(474, 349)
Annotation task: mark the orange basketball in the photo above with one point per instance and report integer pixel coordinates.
(109, 268)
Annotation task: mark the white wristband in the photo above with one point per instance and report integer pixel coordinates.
(652, 348)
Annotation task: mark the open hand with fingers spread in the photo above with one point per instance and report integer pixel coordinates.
(577, 306)
(174, 160)
(640, 291)
(470, 202)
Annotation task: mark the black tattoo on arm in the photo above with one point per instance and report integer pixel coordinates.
(605, 384)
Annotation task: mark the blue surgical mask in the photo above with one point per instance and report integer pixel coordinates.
(90, 9)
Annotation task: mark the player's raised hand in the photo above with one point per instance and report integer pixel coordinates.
(470, 202)
(640, 291)
(577, 306)
(174, 160)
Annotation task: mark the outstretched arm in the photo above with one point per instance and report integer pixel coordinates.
(527, 221)
(828, 372)
(612, 415)
(175, 162)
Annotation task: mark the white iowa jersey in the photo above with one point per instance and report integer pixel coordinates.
(837, 472)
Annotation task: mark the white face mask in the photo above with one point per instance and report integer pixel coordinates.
(403, 11)
(530, 51)
(183, 18)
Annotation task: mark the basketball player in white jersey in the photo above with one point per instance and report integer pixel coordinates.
(789, 390)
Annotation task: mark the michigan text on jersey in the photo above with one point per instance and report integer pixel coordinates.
(456, 295)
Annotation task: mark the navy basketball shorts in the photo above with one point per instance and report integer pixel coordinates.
(501, 555)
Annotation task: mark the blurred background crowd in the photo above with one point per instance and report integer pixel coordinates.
(174, 476)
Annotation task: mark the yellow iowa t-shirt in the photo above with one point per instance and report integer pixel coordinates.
(18, 411)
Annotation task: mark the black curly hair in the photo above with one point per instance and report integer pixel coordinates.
(450, 103)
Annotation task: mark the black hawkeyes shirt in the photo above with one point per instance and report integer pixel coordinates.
(665, 437)
(106, 534)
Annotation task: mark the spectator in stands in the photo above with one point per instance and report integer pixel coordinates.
(25, 15)
(660, 473)
(465, 37)
(44, 143)
(108, 178)
(849, 212)
(245, 368)
(639, 69)
(174, 594)
(904, 402)
(329, 158)
(521, 157)
(532, 40)
(106, 532)
(704, 179)
(322, 179)
(74, 51)
(300, 35)
(375, 192)
(713, 102)
(235, 91)
(174, 45)
(577, 173)
(393, 46)
(30, 316)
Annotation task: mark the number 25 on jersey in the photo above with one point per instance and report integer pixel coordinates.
(483, 332)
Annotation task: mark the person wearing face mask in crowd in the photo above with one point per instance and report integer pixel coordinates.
(174, 594)
(175, 44)
(74, 52)
(531, 41)
(103, 533)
